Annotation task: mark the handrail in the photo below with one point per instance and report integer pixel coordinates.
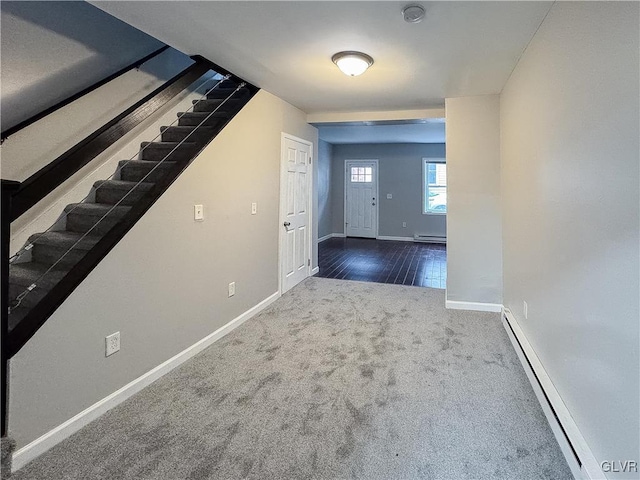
(48, 178)
(63, 103)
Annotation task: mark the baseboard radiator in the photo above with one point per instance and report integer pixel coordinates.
(429, 238)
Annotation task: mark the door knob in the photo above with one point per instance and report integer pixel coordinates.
(373, 203)
(287, 224)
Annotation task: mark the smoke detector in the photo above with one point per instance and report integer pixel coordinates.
(413, 13)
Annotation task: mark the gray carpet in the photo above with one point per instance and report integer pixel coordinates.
(335, 380)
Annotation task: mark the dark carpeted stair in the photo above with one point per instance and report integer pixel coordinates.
(188, 132)
(216, 105)
(114, 191)
(51, 255)
(193, 119)
(140, 170)
(171, 151)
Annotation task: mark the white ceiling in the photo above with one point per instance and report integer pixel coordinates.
(459, 49)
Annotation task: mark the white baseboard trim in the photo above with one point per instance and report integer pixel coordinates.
(315, 270)
(397, 239)
(331, 235)
(560, 420)
(40, 445)
(475, 306)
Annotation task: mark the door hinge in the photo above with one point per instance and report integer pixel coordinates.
(309, 263)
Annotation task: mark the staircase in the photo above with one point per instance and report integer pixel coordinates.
(49, 256)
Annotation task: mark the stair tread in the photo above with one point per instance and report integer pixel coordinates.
(125, 163)
(220, 100)
(169, 144)
(90, 208)
(204, 114)
(146, 164)
(27, 273)
(123, 184)
(65, 239)
(188, 128)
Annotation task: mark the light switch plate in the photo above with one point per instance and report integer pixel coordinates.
(232, 289)
(254, 208)
(198, 213)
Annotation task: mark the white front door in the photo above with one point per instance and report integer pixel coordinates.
(361, 200)
(295, 186)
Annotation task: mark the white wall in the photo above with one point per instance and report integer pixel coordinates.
(474, 243)
(164, 286)
(53, 49)
(570, 169)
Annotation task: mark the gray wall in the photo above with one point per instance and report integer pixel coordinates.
(166, 256)
(51, 50)
(324, 188)
(570, 168)
(400, 175)
(474, 246)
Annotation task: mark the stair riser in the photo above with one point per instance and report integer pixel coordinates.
(193, 121)
(180, 154)
(177, 135)
(49, 255)
(227, 84)
(83, 223)
(225, 92)
(44, 280)
(112, 196)
(216, 105)
(135, 173)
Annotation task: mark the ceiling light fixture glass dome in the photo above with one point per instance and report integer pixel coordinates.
(352, 63)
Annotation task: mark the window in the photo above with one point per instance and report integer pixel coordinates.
(434, 176)
(361, 174)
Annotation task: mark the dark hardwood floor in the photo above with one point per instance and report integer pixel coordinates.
(384, 261)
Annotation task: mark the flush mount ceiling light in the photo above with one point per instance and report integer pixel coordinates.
(352, 63)
(413, 13)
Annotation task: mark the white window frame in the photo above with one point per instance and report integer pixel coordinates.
(425, 187)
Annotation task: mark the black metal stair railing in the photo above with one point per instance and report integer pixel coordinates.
(113, 219)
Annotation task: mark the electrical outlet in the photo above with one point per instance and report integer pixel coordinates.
(525, 310)
(112, 344)
(389, 196)
(254, 208)
(404, 224)
(232, 289)
(198, 213)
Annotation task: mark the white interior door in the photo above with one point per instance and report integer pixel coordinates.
(295, 240)
(361, 198)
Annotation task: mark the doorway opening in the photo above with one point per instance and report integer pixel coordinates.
(382, 200)
(361, 198)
